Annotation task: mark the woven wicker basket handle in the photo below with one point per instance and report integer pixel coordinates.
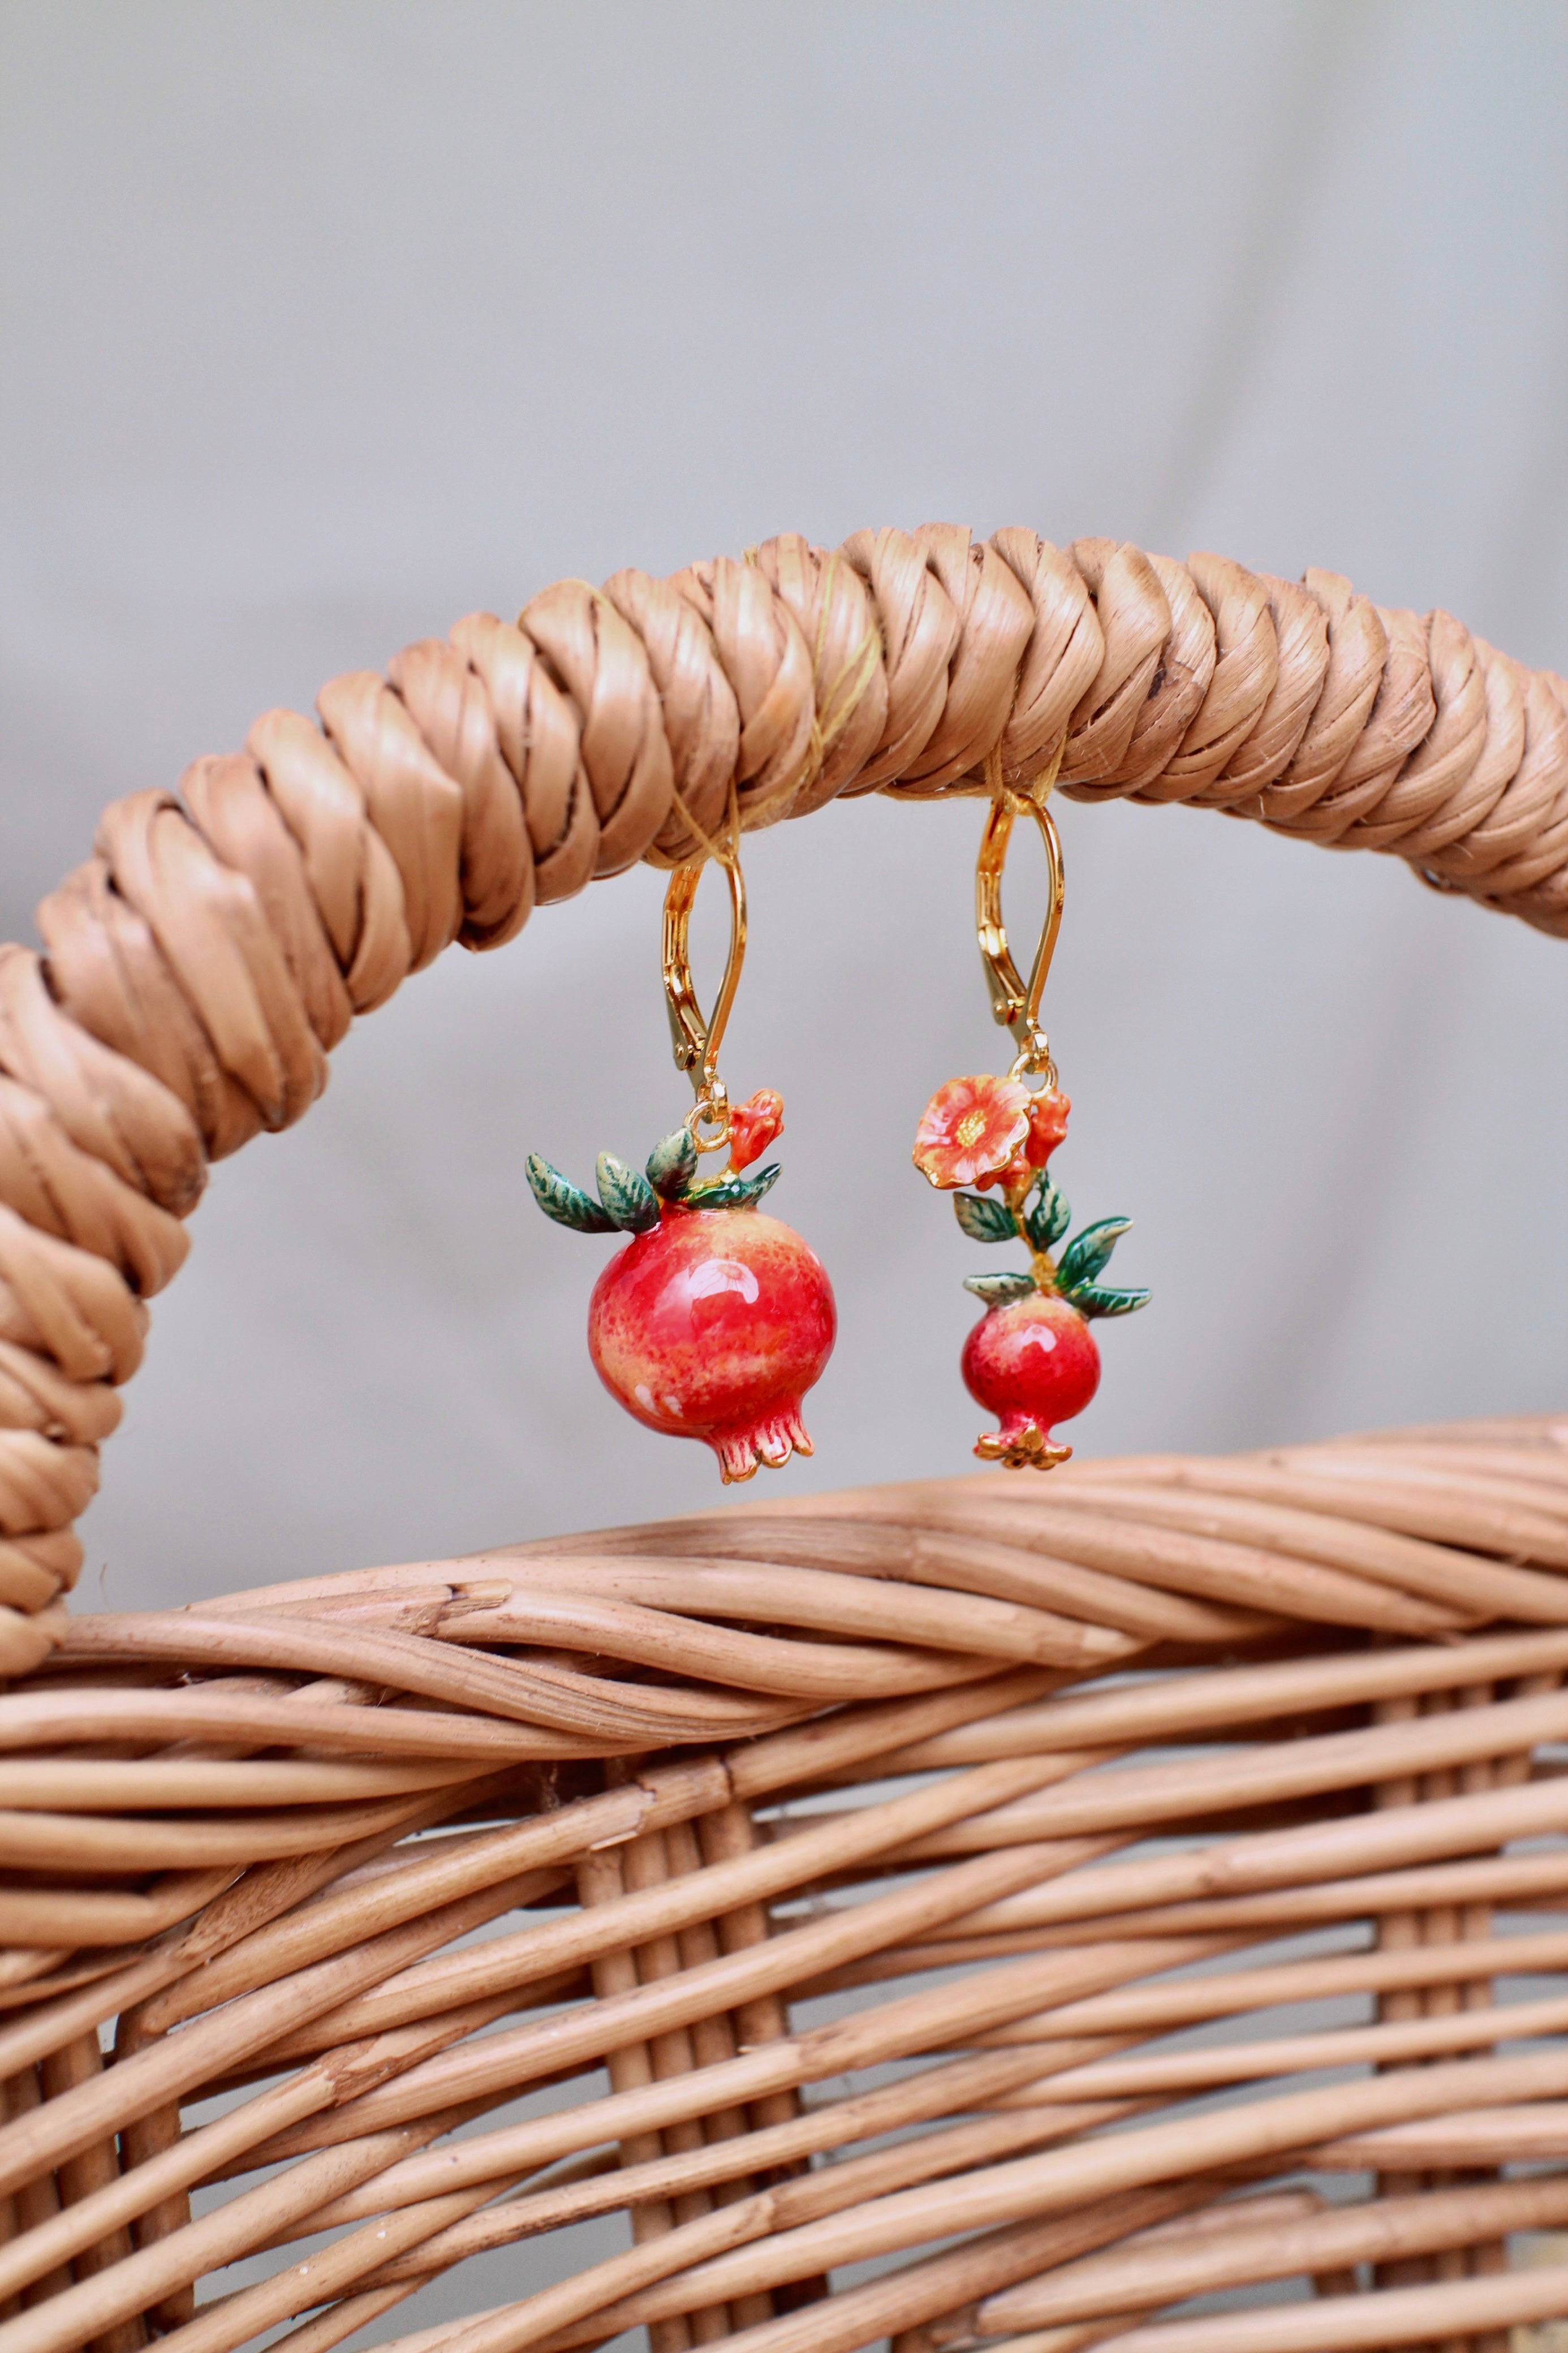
(201, 965)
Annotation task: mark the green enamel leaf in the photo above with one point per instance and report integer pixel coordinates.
(564, 1202)
(1047, 1217)
(1093, 1299)
(737, 1192)
(984, 1220)
(672, 1165)
(997, 1289)
(1088, 1251)
(630, 1201)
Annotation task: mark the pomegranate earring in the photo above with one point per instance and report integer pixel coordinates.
(715, 1319)
(1032, 1359)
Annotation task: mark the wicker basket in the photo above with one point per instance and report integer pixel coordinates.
(974, 1913)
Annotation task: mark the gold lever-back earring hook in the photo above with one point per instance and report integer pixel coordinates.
(697, 1039)
(1016, 1003)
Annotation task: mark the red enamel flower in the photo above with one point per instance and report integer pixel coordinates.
(970, 1131)
(1048, 1126)
(753, 1126)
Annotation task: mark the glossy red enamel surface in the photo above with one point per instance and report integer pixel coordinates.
(713, 1326)
(1032, 1363)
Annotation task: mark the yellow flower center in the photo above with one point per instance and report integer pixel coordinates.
(970, 1128)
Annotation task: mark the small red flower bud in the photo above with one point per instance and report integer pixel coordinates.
(1048, 1126)
(754, 1125)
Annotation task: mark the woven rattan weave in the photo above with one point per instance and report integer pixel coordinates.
(1064, 1898)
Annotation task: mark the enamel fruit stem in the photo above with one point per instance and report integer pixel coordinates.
(1042, 1265)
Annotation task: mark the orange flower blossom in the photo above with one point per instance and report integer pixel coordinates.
(970, 1131)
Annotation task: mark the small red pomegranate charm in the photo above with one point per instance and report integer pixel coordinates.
(715, 1319)
(1032, 1359)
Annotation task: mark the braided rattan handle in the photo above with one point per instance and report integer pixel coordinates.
(201, 965)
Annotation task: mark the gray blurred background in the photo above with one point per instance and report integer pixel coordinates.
(324, 324)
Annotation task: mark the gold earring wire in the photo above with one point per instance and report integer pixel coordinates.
(696, 1038)
(1015, 1003)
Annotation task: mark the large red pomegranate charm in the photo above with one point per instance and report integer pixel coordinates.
(715, 1319)
(1032, 1359)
